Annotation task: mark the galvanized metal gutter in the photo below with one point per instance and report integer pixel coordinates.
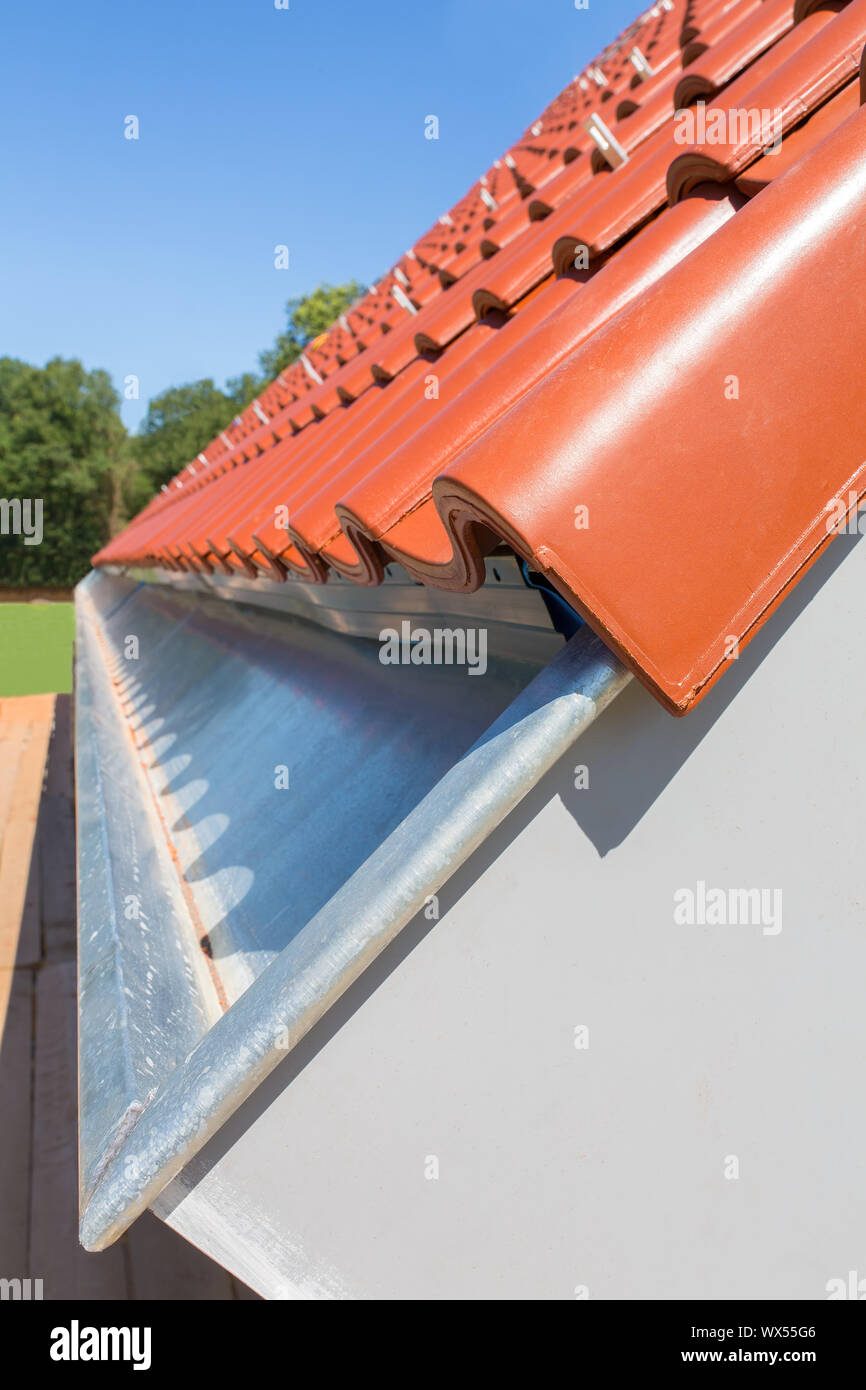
(160, 1133)
(138, 1020)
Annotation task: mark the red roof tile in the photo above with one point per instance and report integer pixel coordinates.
(568, 336)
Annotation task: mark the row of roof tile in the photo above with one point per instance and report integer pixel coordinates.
(597, 357)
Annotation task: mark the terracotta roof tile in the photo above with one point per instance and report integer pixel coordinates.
(501, 375)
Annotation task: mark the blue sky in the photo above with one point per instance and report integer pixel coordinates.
(258, 127)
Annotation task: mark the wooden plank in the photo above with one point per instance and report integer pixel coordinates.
(56, 837)
(16, 1003)
(28, 721)
(59, 775)
(10, 753)
(30, 933)
(55, 1254)
(56, 856)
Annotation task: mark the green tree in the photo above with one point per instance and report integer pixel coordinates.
(184, 419)
(179, 423)
(62, 443)
(307, 317)
(243, 389)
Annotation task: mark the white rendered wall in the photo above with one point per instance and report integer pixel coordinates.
(601, 1167)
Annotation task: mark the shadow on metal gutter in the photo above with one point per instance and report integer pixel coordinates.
(189, 997)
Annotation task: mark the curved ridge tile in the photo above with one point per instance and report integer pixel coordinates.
(672, 568)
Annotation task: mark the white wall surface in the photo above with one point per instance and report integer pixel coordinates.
(602, 1167)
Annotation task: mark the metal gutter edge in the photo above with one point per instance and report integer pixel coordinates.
(145, 999)
(360, 920)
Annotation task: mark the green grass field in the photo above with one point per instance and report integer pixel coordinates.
(36, 648)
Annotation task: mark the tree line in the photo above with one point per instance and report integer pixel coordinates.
(62, 440)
